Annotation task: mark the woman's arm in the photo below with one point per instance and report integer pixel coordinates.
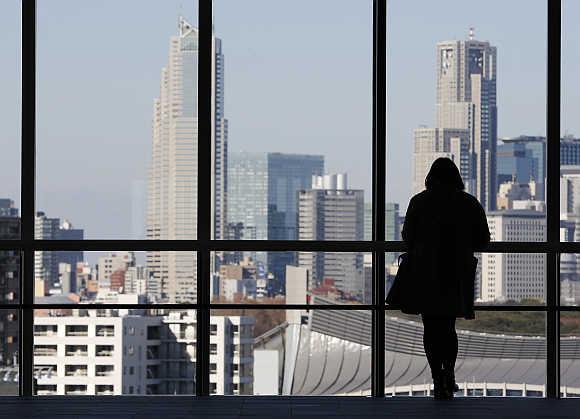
(481, 234)
(408, 232)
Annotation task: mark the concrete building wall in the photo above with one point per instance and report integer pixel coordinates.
(514, 276)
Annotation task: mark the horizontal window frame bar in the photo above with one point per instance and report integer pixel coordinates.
(246, 306)
(266, 245)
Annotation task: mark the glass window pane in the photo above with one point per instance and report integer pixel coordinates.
(293, 100)
(570, 354)
(117, 117)
(452, 93)
(500, 354)
(293, 278)
(500, 278)
(116, 277)
(295, 353)
(9, 352)
(570, 279)
(569, 127)
(9, 117)
(10, 271)
(114, 352)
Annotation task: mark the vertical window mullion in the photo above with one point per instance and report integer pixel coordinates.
(27, 194)
(204, 207)
(378, 194)
(552, 197)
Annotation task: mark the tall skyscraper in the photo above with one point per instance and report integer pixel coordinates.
(263, 197)
(173, 177)
(331, 211)
(432, 143)
(263, 190)
(467, 99)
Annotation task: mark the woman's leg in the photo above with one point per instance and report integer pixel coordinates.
(451, 346)
(449, 353)
(431, 343)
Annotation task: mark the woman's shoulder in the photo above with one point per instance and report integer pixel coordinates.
(468, 198)
(428, 197)
(420, 197)
(469, 203)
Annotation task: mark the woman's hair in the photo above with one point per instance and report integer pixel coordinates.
(444, 173)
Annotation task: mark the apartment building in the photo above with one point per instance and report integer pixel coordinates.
(109, 352)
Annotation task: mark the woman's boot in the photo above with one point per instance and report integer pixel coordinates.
(448, 377)
(439, 390)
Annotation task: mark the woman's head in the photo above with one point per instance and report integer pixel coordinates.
(444, 173)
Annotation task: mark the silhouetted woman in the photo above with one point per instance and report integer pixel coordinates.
(443, 226)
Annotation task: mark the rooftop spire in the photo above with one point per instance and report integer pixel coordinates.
(184, 26)
(471, 33)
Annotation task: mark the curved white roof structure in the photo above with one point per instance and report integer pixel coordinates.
(331, 355)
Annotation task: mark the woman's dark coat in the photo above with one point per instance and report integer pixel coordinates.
(442, 228)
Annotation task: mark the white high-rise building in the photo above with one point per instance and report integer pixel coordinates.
(107, 352)
(173, 173)
(514, 276)
(432, 143)
(331, 211)
(93, 355)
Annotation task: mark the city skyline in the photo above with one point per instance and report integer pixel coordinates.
(88, 208)
(172, 196)
(305, 195)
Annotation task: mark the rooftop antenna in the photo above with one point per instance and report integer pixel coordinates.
(471, 33)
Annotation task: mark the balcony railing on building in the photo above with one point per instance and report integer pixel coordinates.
(76, 350)
(75, 390)
(77, 330)
(104, 390)
(104, 370)
(76, 371)
(104, 350)
(46, 390)
(45, 350)
(106, 331)
(44, 371)
(43, 330)
(152, 372)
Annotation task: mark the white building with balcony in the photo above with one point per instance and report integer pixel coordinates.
(110, 352)
(231, 360)
(92, 355)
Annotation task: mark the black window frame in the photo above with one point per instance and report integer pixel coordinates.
(204, 245)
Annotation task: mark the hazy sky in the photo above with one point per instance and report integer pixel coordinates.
(298, 79)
